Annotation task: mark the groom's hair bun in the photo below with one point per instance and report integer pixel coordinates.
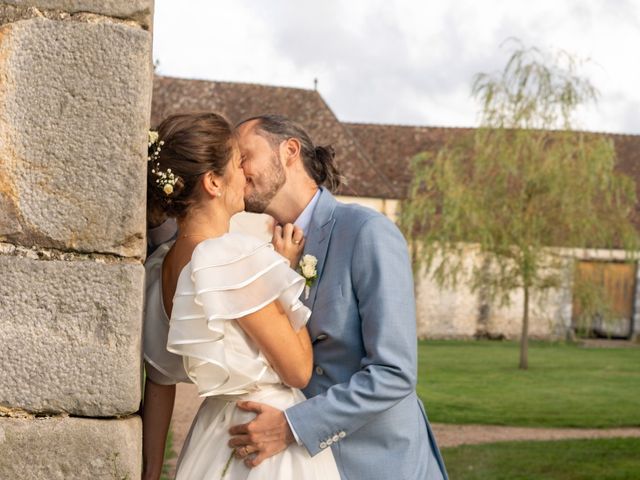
(318, 161)
(192, 145)
(325, 165)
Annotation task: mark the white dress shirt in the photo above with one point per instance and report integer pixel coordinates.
(304, 219)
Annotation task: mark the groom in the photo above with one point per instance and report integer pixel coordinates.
(362, 401)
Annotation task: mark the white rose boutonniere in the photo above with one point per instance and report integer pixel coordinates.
(308, 265)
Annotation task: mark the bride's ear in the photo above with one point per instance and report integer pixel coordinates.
(212, 184)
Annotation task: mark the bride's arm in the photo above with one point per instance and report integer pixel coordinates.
(156, 415)
(288, 352)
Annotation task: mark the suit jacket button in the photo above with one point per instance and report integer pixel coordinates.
(342, 434)
(319, 370)
(323, 445)
(329, 442)
(335, 438)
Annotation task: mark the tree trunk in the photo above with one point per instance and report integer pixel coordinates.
(524, 336)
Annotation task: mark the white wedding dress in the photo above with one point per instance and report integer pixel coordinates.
(228, 277)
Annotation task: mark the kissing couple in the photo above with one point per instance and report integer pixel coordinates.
(307, 375)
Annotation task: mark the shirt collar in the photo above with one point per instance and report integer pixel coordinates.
(304, 219)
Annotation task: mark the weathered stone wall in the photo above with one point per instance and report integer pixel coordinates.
(460, 313)
(446, 312)
(75, 96)
(386, 206)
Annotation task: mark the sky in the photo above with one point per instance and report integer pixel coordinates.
(408, 62)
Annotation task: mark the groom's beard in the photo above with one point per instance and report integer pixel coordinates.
(271, 181)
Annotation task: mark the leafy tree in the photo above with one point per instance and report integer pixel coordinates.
(524, 181)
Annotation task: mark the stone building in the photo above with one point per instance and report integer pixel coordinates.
(459, 313)
(375, 160)
(75, 100)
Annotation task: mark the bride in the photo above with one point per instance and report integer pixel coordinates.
(222, 311)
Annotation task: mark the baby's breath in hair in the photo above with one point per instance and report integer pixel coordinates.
(187, 146)
(166, 180)
(153, 137)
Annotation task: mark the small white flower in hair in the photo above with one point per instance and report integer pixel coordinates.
(153, 137)
(165, 180)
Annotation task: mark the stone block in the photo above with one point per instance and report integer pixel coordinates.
(71, 334)
(74, 112)
(69, 448)
(140, 11)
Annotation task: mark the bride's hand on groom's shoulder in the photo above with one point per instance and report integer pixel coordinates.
(288, 240)
(266, 435)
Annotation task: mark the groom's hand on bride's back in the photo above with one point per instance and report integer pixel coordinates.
(266, 435)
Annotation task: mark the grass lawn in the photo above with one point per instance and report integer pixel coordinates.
(168, 455)
(565, 386)
(604, 459)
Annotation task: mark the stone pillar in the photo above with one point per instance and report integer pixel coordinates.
(75, 96)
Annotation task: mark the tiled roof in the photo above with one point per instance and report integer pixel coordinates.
(392, 147)
(374, 158)
(237, 101)
(628, 154)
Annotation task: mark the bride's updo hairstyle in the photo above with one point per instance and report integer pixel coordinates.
(319, 161)
(185, 147)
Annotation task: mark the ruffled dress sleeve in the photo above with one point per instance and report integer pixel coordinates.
(228, 278)
(162, 366)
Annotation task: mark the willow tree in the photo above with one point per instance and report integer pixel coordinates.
(524, 183)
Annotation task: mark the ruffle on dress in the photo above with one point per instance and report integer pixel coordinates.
(228, 278)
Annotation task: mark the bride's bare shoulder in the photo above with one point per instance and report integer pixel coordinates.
(178, 256)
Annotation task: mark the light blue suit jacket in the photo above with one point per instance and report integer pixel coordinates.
(362, 401)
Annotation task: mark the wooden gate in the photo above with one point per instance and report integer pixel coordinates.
(616, 282)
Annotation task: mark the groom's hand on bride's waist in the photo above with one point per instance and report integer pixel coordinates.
(263, 437)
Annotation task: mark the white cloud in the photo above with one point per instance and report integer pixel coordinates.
(406, 61)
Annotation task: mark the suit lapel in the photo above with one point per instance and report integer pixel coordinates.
(318, 237)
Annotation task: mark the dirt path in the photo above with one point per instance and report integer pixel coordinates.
(454, 435)
(186, 406)
(187, 403)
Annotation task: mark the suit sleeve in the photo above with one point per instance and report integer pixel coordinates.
(383, 284)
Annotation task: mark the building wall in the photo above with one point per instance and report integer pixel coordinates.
(388, 207)
(75, 97)
(460, 313)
